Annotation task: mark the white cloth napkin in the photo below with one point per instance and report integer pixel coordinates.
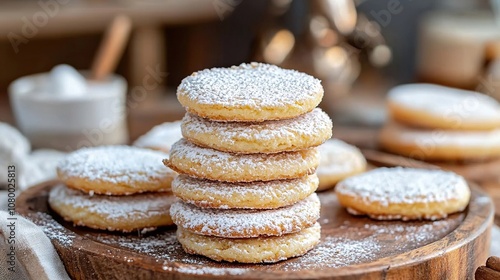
(35, 256)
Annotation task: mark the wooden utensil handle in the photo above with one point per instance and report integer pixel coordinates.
(112, 47)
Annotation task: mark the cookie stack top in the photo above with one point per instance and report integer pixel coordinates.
(252, 92)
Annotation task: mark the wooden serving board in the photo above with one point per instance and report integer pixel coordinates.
(351, 247)
(493, 189)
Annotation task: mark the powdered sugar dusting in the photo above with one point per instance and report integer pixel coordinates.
(246, 223)
(165, 248)
(412, 234)
(404, 185)
(253, 85)
(53, 229)
(114, 207)
(159, 246)
(311, 124)
(334, 252)
(123, 165)
(340, 250)
(338, 157)
(161, 137)
(211, 270)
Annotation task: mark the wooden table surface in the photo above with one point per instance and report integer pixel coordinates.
(93, 16)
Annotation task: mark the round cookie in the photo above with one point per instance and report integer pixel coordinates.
(231, 223)
(188, 158)
(338, 161)
(404, 193)
(251, 250)
(161, 137)
(249, 92)
(120, 213)
(251, 195)
(308, 130)
(433, 106)
(440, 144)
(115, 170)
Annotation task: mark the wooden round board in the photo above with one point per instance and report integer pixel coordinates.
(350, 248)
(493, 189)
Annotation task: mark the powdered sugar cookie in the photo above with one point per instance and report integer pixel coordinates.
(404, 193)
(433, 106)
(247, 223)
(440, 144)
(251, 250)
(338, 161)
(120, 213)
(308, 130)
(161, 137)
(249, 92)
(251, 195)
(115, 170)
(188, 158)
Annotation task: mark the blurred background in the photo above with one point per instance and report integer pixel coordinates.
(359, 49)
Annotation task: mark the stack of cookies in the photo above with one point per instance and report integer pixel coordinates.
(116, 188)
(456, 129)
(247, 163)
